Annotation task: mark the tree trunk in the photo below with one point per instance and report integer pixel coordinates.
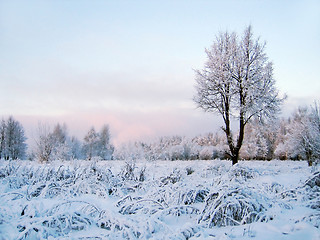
(234, 159)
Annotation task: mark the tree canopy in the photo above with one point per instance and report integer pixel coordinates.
(237, 82)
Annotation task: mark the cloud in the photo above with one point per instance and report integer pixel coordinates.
(56, 89)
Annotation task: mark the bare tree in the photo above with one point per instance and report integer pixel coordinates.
(44, 143)
(60, 134)
(304, 139)
(97, 144)
(15, 139)
(2, 139)
(12, 140)
(75, 148)
(105, 148)
(61, 148)
(90, 144)
(237, 82)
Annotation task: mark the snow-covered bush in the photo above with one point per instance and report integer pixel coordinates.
(231, 207)
(127, 172)
(193, 196)
(177, 152)
(206, 153)
(314, 181)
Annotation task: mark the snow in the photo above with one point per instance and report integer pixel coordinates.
(159, 200)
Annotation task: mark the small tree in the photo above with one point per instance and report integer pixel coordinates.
(104, 147)
(61, 149)
(315, 130)
(304, 138)
(59, 134)
(2, 138)
(12, 140)
(75, 148)
(257, 143)
(237, 82)
(97, 144)
(44, 143)
(90, 145)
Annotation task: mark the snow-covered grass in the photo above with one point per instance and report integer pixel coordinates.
(159, 200)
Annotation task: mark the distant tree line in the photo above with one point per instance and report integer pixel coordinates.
(58, 145)
(296, 137)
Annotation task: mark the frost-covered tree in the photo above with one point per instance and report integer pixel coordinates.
(12, 140)
(270, 132)
(258, 142)
(75, 148)
(59, 134)
(304, 137)
(52, 145)
(131, 151)
(44, 143)
(281, 145)
(104, 147)
(2, 138)
(90, 145)
(314, 128)
(61, 149)
(237, 82)
(97, 144)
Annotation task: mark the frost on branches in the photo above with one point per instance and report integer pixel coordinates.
(12, 140)
(237, 82)
(58, 145)
(301, 135)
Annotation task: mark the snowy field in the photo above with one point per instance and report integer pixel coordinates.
(159, 200)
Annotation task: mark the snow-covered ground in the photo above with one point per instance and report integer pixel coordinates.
(159, 200)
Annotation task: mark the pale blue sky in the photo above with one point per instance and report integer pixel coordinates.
(129, 63)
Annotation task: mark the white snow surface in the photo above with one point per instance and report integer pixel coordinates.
(159, 200)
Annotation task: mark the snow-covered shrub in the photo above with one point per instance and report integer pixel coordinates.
(193, 196)
(312, 191)
(275, 188)
(118, 228)
(135, 205)
(59, 220)
(255, 144)
(281, 151)
(130, 152)
(314, 180)
(194, 152)
(206, 153)
(314, 219)
(189, 170)
(177, 152)
(240, 172)
(62, 151)
(301, 138)
(186, 233)
(173, 178)
(127, 172)
(142, 174)
(231, 207)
